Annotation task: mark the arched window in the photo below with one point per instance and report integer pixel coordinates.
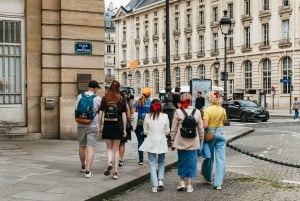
(286, 74)
(248, 75)
(164, 78)
(177, 77)
(147, 78)
(202, 72)
(189, 74)
(266, 75)
(138, 78)
(156, 81)
(124, 79)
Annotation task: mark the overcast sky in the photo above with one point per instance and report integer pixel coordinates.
(117, 3)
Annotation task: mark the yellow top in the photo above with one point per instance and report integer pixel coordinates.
(215, 115)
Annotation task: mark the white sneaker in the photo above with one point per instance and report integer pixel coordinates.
(88, 175)
(189, 189)
(160, 185)
(181, 186)
(154, 189)
(218, 188)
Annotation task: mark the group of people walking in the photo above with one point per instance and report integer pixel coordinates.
(152, 127)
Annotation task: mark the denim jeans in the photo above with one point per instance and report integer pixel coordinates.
(296, 114)
(217, 149)
(160, 158)
(140, 138)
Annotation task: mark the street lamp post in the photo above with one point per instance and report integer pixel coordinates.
(290, 74)
(225, 26)
(168, 107)
(217, 66)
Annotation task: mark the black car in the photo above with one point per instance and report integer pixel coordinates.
(247, 110)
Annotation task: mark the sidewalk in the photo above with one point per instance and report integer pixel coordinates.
(49, 170)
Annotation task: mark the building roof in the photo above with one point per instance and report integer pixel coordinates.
(136, 4)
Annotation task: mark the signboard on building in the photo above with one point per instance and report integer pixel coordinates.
(83, 48)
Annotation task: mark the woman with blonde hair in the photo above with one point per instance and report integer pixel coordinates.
(213, 119)
(186, 147)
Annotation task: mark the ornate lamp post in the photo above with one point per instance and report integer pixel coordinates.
(225, 25)
(168, 107)
(217, 66)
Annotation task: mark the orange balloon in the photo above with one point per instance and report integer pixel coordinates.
(133, 65)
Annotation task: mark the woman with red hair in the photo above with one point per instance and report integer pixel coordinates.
(156, 127)
(113, 129)
(186, 147)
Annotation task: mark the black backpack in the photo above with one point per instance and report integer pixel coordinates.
(111, 112)
(189, 124)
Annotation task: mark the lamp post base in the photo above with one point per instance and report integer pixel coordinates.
(169, 109)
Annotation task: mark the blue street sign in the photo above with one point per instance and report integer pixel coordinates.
(285, 81)
(83, 48)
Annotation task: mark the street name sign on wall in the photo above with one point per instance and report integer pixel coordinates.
(83, 48)
(285, 80)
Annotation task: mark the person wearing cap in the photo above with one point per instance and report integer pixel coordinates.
(88, 133)
(142, 107)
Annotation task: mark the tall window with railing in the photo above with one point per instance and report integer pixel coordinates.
(215, 14)
(201, 18)
(230, 10)
(247, 37)
(247, 8)
(265, 36)
(286, 74)
(201, 44)
(266, 5)
(189, 75)
(156, 81)
(266, 75)
(177, 76)
(10, 60)
(248, 74)
(147, 78)
(202, 71)
(285, 31)
(286, 3)
(230, 40)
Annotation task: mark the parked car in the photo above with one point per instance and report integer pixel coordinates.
(247, 110)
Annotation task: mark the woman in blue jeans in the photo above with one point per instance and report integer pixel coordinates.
(156, 127)
(213, 119)
(142, 107)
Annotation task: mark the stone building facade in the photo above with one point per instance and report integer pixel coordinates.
(263, 47)
(46, 49)
(110, 44)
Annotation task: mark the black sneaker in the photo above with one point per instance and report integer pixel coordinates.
(121, 163)
(140, 163)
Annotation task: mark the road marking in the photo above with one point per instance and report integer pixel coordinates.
(291, 182)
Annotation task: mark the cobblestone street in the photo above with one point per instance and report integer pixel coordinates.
(251, 180)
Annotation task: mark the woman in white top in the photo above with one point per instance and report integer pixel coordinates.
(156, 127)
